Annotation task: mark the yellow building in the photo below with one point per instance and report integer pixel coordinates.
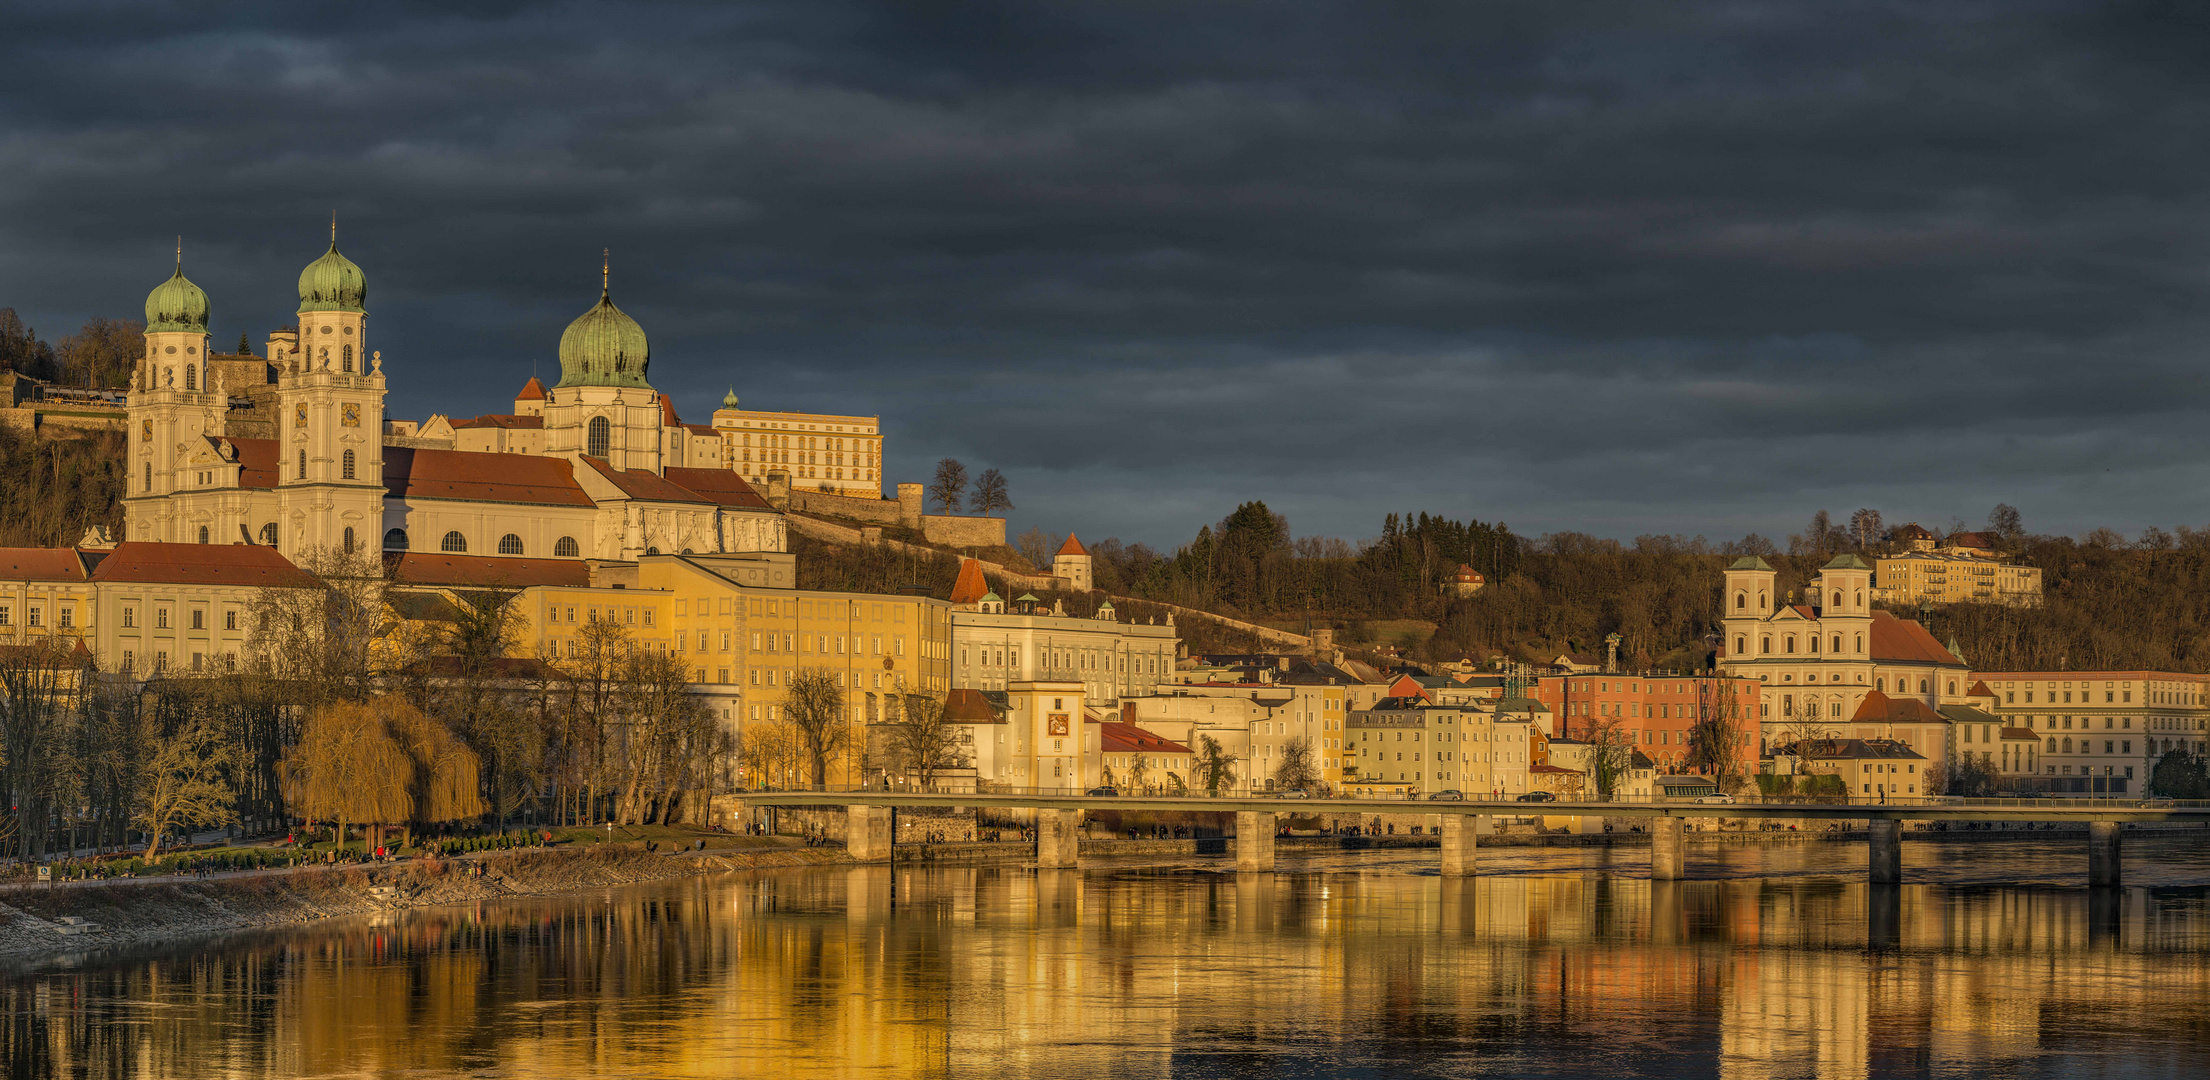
(142, 608)
(738, 620)
(1946, 577)
(841, 455)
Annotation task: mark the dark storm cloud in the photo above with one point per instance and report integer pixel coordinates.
(1619, 267)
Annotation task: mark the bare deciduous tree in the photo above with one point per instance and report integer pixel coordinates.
(813, 704)
(182, 784)
(990, 494)
(949, 489)
(924, 744)
(1297, 771)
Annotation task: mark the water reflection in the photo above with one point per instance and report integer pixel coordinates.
(1551, 965)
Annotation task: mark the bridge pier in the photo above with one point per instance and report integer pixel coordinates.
(1667, 861)
(2103, 854)
(1058, 836)
(867, 833)
(1459, 844)
(1254, 842)
(1887, 851)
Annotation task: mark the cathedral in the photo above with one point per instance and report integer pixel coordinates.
(291, 449)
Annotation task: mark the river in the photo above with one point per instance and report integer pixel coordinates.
(1776, 962)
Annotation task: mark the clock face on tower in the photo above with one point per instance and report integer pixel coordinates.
(352, 415)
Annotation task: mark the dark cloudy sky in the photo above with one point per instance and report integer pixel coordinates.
(1617, 267)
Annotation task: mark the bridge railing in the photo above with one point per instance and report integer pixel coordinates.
(1290, 801)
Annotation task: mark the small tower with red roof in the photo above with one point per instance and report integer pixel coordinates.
(531, 401)
(1072, 565)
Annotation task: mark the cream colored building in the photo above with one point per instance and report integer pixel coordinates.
(1930, 577)
(1818, 659)
(595, 467)
(142, 608)
(2099, 732)
(841, 455)
(996, 644)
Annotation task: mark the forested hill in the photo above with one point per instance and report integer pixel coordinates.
(2111, 603)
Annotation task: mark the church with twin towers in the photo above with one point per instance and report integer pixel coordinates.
(292, 448)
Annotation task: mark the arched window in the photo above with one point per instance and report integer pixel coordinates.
(652, 551)
(454, 541)
(566, 547)
(395, 539)
(1788, 643)
(1765, 644)
(349, 539)
(191, 377)
(268, 534)
(1860, 644)
(1741, 645)
(1741, 601)
(1837, 643)
(346, 468)
(510, 544)
(348, 358)
(1860, 597)
(1760, 601)
(1812, 641)
(1880, 685)
(1952, 688)
(203, 534)
(1922, 686)
(601, 435)
(1837, 598)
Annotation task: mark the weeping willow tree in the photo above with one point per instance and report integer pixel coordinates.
(380, 762)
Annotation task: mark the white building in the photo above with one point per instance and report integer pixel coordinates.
(996, 644)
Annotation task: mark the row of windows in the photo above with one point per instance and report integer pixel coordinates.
(1788, 643)
(457, 543)
(66, 617)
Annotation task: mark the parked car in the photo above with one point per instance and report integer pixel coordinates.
(1538, 796)
(1721, 799)
(1293, 793)
(1452, 795)
(1103, 791)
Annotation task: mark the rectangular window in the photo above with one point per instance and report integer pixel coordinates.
(130, 617)
(755, 643)
(199, 622)
(230, 620)
(130, 660)
(196, 658)
(35, 615)
(68, 616)
(648, 616)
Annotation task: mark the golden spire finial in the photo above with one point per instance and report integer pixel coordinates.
(180, 253)
(606, 269)
(333, 228)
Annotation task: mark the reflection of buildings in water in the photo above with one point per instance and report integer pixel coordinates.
(1130, 971)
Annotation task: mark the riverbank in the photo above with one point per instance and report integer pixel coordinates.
(45, 920)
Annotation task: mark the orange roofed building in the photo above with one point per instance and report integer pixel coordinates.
(141, 608)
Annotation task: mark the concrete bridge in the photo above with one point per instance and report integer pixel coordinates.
(1059, 820)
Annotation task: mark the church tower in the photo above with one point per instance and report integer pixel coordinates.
(603, 407)
(169, 405)
(329, 418)
(1746, 601)
(1843, 592)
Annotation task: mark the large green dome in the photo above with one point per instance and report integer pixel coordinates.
(604, 347)
(332, 283)
(176, 305)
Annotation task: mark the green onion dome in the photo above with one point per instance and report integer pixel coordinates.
(604, 347)
(176, 305)
(332, 283)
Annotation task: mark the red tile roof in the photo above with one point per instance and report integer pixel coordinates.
(531, 391)
(42, 564)
(1879, 708)
(1073, 546)
(720, 486)
(701, 429)
(257, 462)
(1905, 641)
(966, 705)
(499, 420)
(202, 564)
(1979, 689)
(971, 585)
(1122, 737)
(411, 473)
(483, 571)
(639, 484)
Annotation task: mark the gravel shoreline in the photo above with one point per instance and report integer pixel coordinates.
(34, 919)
